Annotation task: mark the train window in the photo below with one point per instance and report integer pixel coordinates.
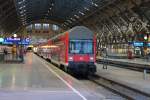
(81, 47)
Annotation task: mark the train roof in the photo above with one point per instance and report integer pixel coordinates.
(77, 31)
(80, 32)
(80, 29)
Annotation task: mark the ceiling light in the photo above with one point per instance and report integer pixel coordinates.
(15, 35)
(86, 8)
(77, 16)
(96, 5)
(81, 13)
(73, 19)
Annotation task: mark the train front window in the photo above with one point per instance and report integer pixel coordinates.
(81, 47)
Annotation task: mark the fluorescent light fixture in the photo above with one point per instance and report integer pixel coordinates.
(15, 35)
(86, 8)
(1, 40)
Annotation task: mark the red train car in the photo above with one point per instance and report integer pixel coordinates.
(74, 51)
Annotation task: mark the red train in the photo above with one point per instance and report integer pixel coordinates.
(73, 51)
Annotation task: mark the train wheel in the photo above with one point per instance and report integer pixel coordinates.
(62, 67)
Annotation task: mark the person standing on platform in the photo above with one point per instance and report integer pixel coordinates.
(105, 56)
(14, 51)
(5, 53)
(21, 54)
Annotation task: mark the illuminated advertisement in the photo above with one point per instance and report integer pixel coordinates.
(138, 44)
(13, 39)
(10, 41)
(148, 44)
(1, 40)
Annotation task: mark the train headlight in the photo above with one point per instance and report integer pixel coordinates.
(70, 58)
(91, 58)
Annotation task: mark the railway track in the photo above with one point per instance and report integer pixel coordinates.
(120, 89)
(121, 65)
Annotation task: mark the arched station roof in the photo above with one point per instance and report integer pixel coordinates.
(17, 13)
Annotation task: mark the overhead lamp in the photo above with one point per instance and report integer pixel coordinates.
(86, 8)
(96, 5)
(77, 16)
(24, 6)
(15, 35)
(21, 12)
(69, 21)
(66, 23)
(145, 37)
(81, 13)
(73, 19)
(20, 2)
(20, 8)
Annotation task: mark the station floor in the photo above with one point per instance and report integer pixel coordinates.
(37, 79)
(135, 60)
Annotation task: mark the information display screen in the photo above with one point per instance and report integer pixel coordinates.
(9, 41)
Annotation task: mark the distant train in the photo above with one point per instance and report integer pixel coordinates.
(73, 51)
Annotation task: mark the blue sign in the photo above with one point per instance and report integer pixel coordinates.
(10, 41)
(138, 44)
(23, 43)
(148, 44)
(13, 39)
(27, 39)
(7, 43)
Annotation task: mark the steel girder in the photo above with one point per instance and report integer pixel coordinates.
(125, 17)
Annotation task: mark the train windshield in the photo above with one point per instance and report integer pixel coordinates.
(81, 47)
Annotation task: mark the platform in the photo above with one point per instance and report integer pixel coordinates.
(37, 79)
(126, 77)
(134, 61)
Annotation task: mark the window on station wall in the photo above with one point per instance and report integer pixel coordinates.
(55, 27)
(38, 26)
(45, 26)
